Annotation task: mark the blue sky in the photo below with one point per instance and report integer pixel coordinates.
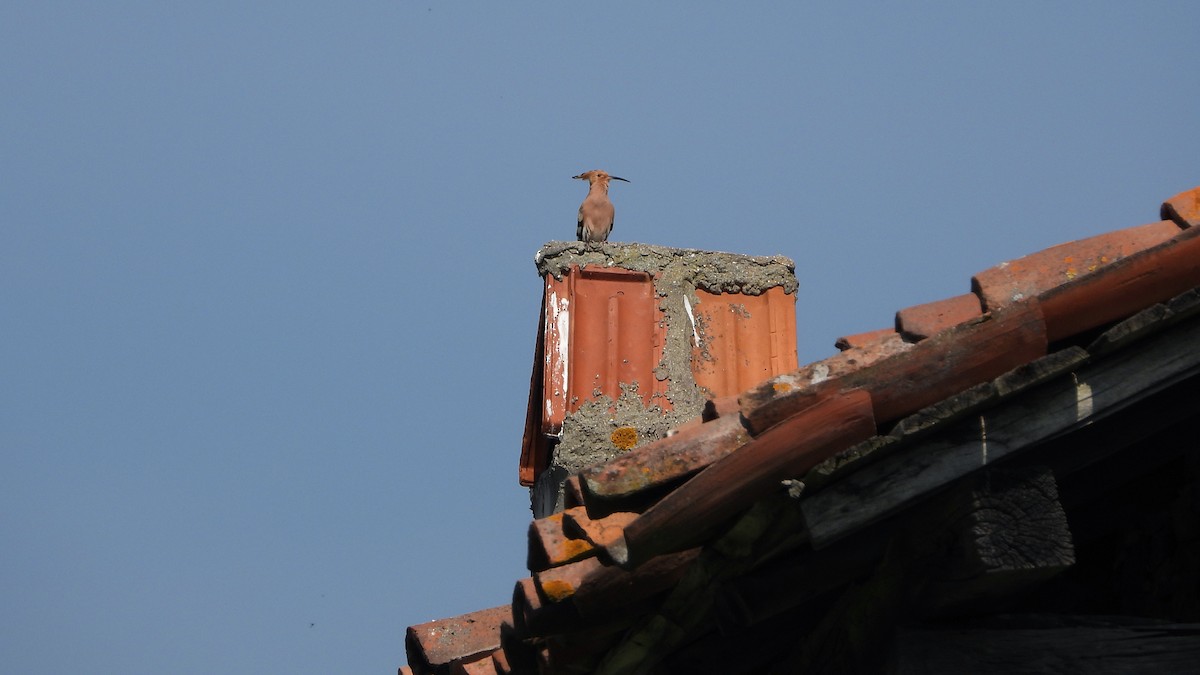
(267, 282)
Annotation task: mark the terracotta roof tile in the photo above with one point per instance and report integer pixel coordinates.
(600, 532)
(933, 369)
(519, 650)
(746, 338)
(952, 361)
(921, 321)
(780, 397)
(860, 340)
(482, 665)
(635, 322)
(549, 546)
(534, 615)
(722, 406)
(572, 492)
(608, 592)
(1152, 275)
(1183, 208)
(593, 587)
(579, 651)
(886, 343)
(500, 662)
(560, 583)
(434, 645)
(661, 464)
(1039, 272)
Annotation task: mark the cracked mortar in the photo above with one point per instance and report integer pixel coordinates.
(587, 433)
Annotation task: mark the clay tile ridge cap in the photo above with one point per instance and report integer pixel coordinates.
(1041, 271)
(1123, 288)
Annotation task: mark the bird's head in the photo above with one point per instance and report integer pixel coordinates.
(597, 176)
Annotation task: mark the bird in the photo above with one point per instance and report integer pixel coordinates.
(596, 211)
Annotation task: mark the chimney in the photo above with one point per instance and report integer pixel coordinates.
(634, 339)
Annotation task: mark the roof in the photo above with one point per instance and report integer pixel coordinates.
(669, 555)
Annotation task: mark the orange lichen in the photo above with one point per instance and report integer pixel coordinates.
(782, 387)
(573, 548)
(557, 591)
(624, 437)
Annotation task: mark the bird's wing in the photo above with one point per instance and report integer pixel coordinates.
(579, 226)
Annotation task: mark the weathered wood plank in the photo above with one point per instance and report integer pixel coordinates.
(986, 394)
(1147, 322)
(848, 461)
(1094, 391)
(1003, 531)
(1007, 531)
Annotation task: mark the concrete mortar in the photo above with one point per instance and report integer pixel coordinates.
(712, 271)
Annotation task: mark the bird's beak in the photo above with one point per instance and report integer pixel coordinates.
(618, 178)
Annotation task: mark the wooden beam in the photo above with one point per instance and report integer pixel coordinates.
(988, 394)
(1153, 319)
(1007, 532)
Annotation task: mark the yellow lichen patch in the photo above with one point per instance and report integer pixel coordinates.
(1071, 273)
(557, 591)
(624, 437)
(782, 387)
(573, 548)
